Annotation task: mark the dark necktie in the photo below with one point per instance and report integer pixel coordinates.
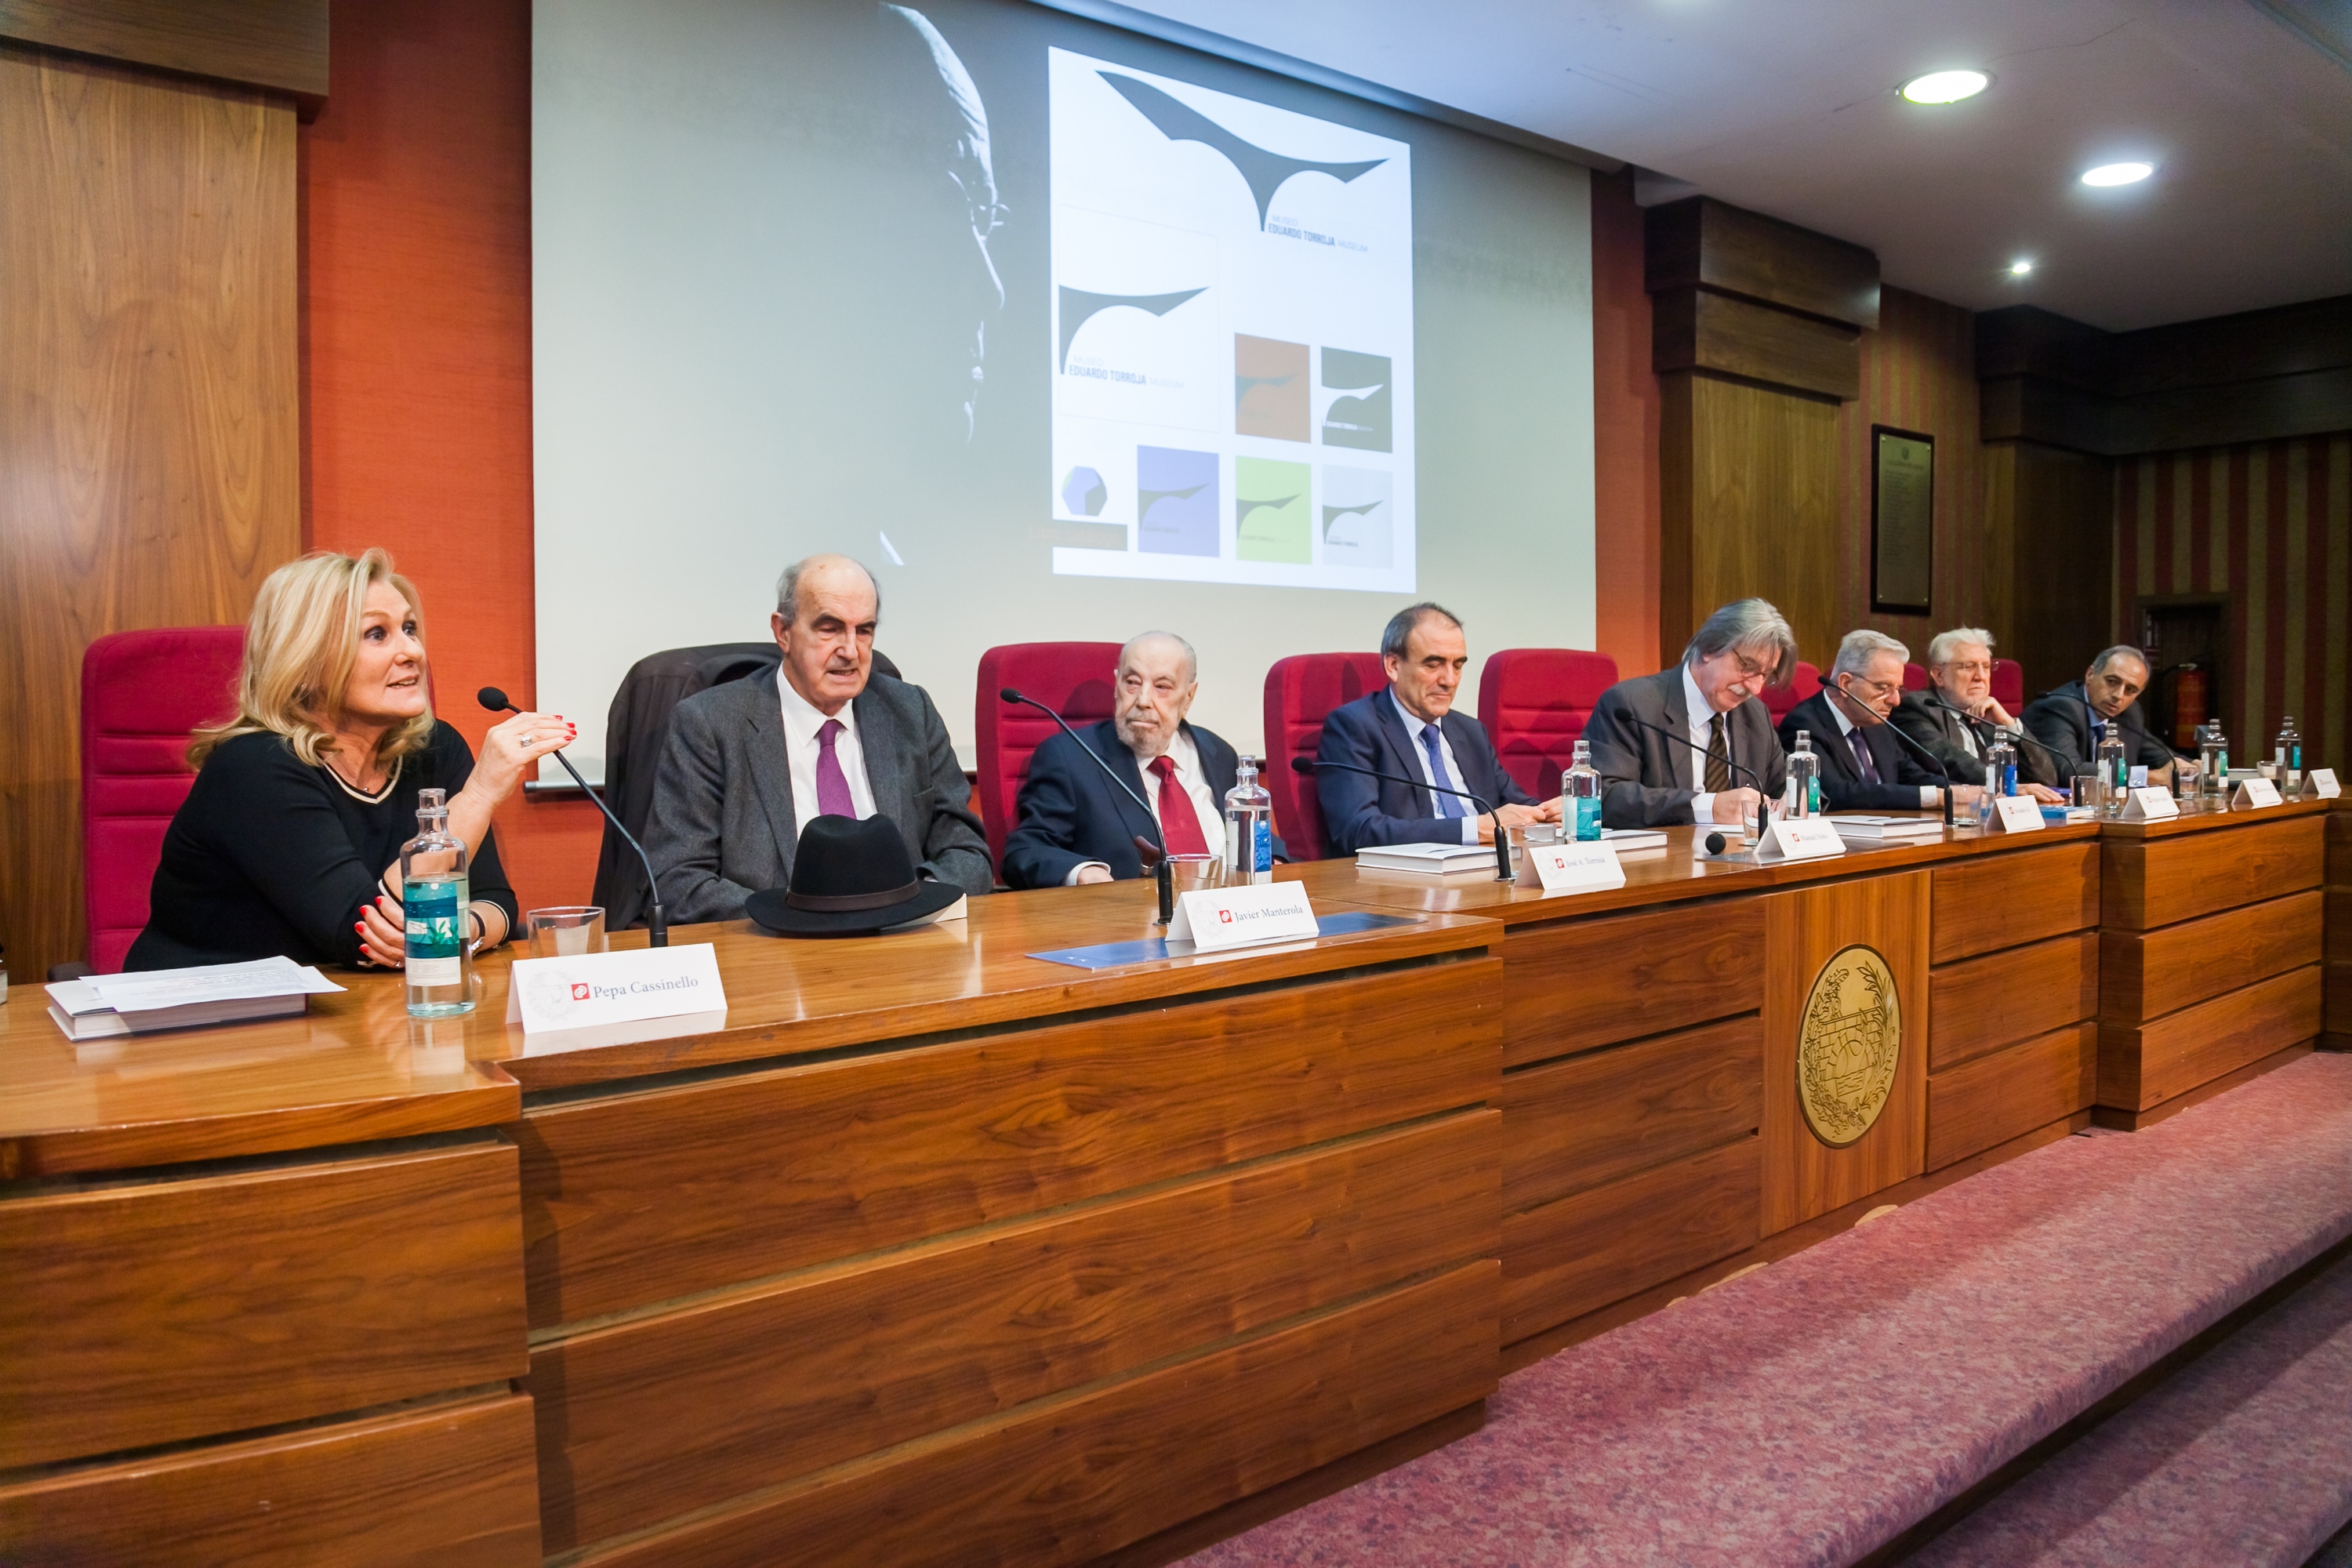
(832, 784)
(1718, 756)
(1861, 757)
(1180, 824)
(1447, 805)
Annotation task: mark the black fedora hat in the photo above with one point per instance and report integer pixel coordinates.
(849, 878)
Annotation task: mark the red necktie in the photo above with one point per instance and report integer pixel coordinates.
(1179, 826)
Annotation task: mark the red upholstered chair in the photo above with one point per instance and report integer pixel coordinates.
(1299, 690)
(1779, 700)
(1534, 702)
(2009, 685)
(1915, 678)
(142, 693)
(1074, 677)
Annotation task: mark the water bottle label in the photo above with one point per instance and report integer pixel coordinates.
(1262, 840)
(1812, 797)
(1588, 819)
(435, 923)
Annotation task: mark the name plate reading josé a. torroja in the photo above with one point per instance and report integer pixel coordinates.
(1573, 868)
(1217, 918)
(615, 998)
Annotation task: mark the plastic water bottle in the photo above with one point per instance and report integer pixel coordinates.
(1579, 790)
(1249, 828)
(2288, 756)
(434, 893)
(2212, 763)
(1804, 778)
(2114, 769)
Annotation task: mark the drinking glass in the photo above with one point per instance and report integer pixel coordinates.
(1194, 872)
(567, 931)
(2090, 790)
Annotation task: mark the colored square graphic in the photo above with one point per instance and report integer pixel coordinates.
(1271, 515)
(1358, 517)
(1356, 402)
(1270, 388)
(1175, 501)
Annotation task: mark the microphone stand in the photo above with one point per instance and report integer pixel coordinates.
(656, 918)
(1876, 722)
(1502, 843)
(1163, 873)
(2019, 733)
(1763, 795)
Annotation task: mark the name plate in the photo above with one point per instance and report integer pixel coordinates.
(2017, 814)
(615, 998)
(2319, 784)
(2255, 793)
(2151, 805)
(1574, 868)
(1214, 918)
(1809, 839)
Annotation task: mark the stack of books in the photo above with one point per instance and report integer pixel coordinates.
(1876, 830)
(104, 1005)
(1435, 860)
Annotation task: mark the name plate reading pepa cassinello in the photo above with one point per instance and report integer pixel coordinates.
(615, 998)
(1217, 918)
(1573, 868)
(2017, 814)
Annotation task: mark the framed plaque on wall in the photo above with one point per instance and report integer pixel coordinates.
(1902, 520)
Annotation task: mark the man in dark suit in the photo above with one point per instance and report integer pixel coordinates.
(1410, 728)
(1959, 718)
(1863, 766)
(752, 762)
(1706, 704)
(2072, 720)
(1076, 825)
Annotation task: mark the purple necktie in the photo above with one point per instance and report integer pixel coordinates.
(832, 783)
(1861, 757)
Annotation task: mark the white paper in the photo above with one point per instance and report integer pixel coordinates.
(158, 988)
(2151, 805)
(2319, 784)
(2017, 814)
(1575, 867)
(1805, 838)
(1215, 918)
(2255, 793)
(582, 1000)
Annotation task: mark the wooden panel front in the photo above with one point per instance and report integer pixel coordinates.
(2011, 1092)
(1591, 1119)
(1583, 984)
(453, 1486)
(1067, 1479)
(2141, 1068)
(1568, 1258)
(641, 1197)
(158, 1311)
(1983, 1004)
(1805, 927)
(1694, 328)
(657, 1417)
(2150, 882)
(2145, 975)
(2002, 900)
(275, 45)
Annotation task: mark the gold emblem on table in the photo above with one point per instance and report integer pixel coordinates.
(1848, 1046)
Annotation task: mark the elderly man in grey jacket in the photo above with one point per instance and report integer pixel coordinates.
(751, 763)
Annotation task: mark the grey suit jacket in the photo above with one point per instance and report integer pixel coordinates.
(723, 827)
(1940, 727)
(1647, 780)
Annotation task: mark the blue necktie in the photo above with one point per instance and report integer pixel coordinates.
(1447, 805)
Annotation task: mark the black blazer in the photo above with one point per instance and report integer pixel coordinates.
(1359, 811)
(1068, 813)
(1843, 787)
(1647, 780)
(1938, 725)
(2060, 720)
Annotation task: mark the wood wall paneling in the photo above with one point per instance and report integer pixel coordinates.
(154, 1311)
(1704, 243)
(1802, 1176)
(1695, 329)
(2151, 882)
(1593, 1119)
(1624, 432)
(2145, 975)
(1066, 1481)
(1979, 1005)
(641, 1197)
(2142, 1066)
(1993, 1098)
(2049, 554)
(1583, 984)
(277, 46)
(452, 1484)
(659, 1417)
(148, 406)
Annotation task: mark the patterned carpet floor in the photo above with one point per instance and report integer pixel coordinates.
(1811, 1412)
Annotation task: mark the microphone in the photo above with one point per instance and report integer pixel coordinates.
(2019, 733)
(1502, 843)
(656, 918)
(1162, 873)
(1763, 795)
(1875, 722)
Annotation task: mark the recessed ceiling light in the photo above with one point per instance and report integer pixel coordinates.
(1945, 87)
(2117, 174)
(2020, 267)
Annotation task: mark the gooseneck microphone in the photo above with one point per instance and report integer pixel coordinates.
(2019, 733)
(1875, 721)
(1156, 857)
(656, 918)
(1763, 795)
(1502, 843)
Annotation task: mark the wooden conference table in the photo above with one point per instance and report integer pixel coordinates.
(939, 1253)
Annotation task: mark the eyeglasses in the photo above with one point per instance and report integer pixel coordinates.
(1878, 686)
(988, 213)
(1750, 669)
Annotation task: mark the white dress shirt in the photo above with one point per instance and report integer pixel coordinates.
(1206, 807)
(802, 721)
(1929, 794)
(1702, 732)
(1452, 779)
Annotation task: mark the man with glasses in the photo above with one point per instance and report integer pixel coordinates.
(1671, 748)
(1863, 766)
(1959, 718)
(2073, 719)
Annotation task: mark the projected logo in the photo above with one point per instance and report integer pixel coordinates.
(1084, 492)
(1356, 401)
(1265, 171)
(1270, 511)
(1269, 388)
(1175, 501)
(1359, 515)
(1077, 308)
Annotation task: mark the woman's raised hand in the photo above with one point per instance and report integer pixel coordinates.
(514, 746)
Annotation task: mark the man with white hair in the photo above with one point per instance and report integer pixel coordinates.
(1678, 746)
(2072, 720)
(1959, 718)
(1076, 825)
(1863, 766)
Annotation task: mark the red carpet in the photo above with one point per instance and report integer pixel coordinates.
(1812, 1411)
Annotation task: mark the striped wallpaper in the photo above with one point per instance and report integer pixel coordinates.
(2270, 523)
